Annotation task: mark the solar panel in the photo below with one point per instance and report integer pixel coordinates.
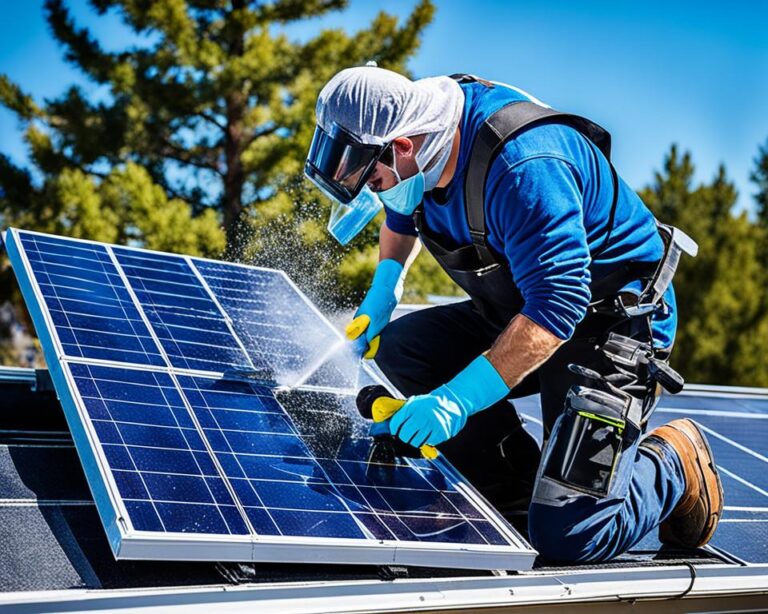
(168, 369)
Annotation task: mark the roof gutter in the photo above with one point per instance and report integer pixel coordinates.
(611, 587)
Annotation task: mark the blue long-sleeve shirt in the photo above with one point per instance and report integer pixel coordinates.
(547, 205)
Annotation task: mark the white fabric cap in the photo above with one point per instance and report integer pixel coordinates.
(379, 105)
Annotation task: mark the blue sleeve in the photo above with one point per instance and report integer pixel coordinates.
(399, 223)
(536, 208)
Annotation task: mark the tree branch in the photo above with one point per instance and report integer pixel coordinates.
(81, 48)
(179, 154)
(210, 118)
(18, 101)
(257, 134)
(292, 10)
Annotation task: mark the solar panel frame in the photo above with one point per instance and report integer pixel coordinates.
(129, 543)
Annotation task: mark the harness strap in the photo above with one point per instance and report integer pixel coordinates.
(507, 123)
(500, 127)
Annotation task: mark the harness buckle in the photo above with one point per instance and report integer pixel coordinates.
(477, 236)
(676, 243)
(650, 298)
(640, 309)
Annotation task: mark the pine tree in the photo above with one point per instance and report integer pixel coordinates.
(205, 125)
(217, 107)
(760, 177)
(721, 294)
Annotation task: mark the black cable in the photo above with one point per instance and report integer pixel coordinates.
(692, 569)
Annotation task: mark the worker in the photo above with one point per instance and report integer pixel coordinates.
(568, 276)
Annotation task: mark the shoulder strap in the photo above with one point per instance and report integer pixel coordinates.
(498, 128)
(462, 77)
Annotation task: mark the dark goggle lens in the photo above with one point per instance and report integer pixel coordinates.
(342, 165)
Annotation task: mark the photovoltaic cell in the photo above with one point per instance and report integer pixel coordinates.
(263, 313)
(205, 315)
(279, 333)
(736, 431)
(280, 480)
(90, 307)
(160, 464)
(167, 367)
(185, 317)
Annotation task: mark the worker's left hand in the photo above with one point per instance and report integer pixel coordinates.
(377, 307)
(436, 417)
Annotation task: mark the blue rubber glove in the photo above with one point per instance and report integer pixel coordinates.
(377, 306)
(436, 417)
(379, 429)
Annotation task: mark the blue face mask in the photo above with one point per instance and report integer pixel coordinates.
(405, 195)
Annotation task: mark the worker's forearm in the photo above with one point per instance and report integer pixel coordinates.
(396, 246)
(521, 348)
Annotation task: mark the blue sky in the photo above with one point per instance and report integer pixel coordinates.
(653, 73)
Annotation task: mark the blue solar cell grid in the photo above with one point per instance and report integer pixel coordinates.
(205, 315)
(173, 479)
(279, 331)
(190, 326)
(265, 313)
(160, 464)
(286, 490)
(145, 341)
(91, 309)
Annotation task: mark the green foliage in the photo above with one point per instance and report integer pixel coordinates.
(125, 206)
(221, 93)
(760, 177)
(197, 139)
(722, 294)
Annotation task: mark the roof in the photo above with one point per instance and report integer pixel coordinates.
(54, 548)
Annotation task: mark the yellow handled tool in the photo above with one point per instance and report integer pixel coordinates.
(374, 403)
(355, 331)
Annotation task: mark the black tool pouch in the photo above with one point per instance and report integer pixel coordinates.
(584, 451)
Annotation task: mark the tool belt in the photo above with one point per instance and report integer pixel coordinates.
(651, 296)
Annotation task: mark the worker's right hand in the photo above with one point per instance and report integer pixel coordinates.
(377, 307)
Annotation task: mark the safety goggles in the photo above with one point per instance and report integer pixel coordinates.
(340, 163)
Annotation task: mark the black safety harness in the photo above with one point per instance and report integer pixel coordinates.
(604, 413)
(484, 264)
(502, 126)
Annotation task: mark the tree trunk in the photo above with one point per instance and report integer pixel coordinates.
(234, 177)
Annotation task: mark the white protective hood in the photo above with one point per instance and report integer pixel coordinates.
(379, 105)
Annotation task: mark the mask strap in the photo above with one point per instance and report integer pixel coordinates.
(394, 166)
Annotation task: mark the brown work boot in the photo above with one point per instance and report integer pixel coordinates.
(693, 521)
